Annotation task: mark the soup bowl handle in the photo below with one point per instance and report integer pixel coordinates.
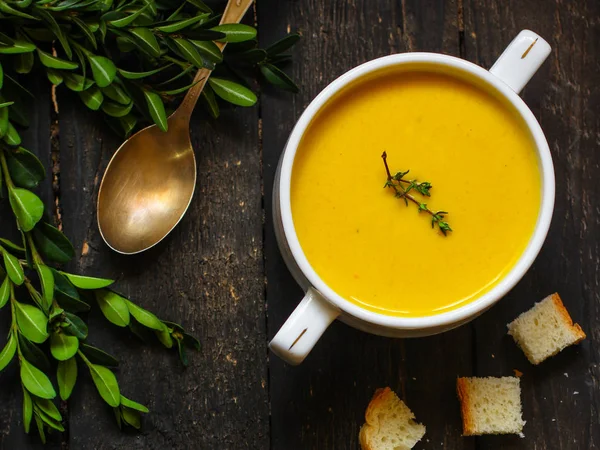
(303, 328)
(521, 59)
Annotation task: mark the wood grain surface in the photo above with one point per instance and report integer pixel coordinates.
(220, 273)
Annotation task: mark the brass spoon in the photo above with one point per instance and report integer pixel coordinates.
(150, 180)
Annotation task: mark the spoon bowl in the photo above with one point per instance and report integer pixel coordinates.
(150, 181)
(147, 188)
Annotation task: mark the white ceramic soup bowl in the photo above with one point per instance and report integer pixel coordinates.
(321, 304)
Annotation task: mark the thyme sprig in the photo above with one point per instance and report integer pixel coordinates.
(403, 188)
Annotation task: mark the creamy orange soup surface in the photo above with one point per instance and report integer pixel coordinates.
(370, 247)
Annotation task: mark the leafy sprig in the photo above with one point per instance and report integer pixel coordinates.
(48, 308)
(130, 59)
(403, 188)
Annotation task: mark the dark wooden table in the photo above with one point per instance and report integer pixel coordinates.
(221, 275)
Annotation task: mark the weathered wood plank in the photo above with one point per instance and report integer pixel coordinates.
(321, 403)
(36, 139)
(561, 397)
(208, 275)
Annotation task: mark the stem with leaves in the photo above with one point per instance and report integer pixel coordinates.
(403, 189)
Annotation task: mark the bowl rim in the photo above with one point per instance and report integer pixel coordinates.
(519, 269)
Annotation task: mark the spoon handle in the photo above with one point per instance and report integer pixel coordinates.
(234, 12)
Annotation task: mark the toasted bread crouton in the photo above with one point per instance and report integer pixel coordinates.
(490, 405)
(390, 425)
(545, 330)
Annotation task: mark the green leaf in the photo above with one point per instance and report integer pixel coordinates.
(114, 307)
(48, 421)
(189, 52)
(120, 23)
(146, 40)
(12, 136)
(53, 62)
(13, 268)
(26, 170)
(103, 69)
(191, 341)
(33, 353)
(11, 246)
(76, 327)
(83, 282)
(92, 98)
(1, 76)
(209, 50)
(252, 56)
(49, 408)
(236, 32)
(4, 123)
(138, 75)
(182, 353)
(66, 375)
(67, 296)
(86, 30)
(106, 383)
(8, 352)
(40, 427)
(98, 356)
(131, 417)
(6, 8)
(47, 283)
(56, 29)
(52, 243)
(127, 123)
(164, 337)
(156, 108)
(19, 46)
(200, 5)
(27, 410)
(282, 45)
(32, 322)
(232, 92)
(208, 95)
(4, 292)
(27, 206)
(278, 78)
(23, 63)
(116, 110)
(181, 24)
(116, 93)
(62, 346)
(54, 77)
(76, 82)
(133, 405)
(36, 381)
(144, 317)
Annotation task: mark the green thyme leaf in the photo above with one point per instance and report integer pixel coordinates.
(54, 62)
(4, 291)
(103, 69)
(92, 98)
(75, 326)
(144, 317)
(27, 206)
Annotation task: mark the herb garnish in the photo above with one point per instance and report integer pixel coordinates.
(403, 187)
